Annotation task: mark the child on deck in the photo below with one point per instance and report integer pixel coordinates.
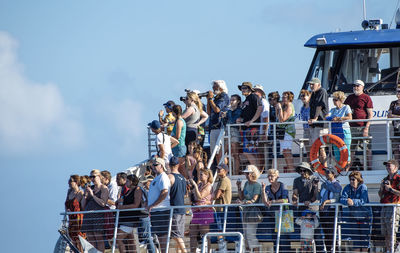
(308, 222)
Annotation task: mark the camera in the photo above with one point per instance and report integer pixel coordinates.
(183, 99)
(203, 94)
(315, 180)
(387, 182)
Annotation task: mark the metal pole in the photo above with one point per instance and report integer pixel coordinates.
(115, 232)
(274, 149)
(365, 154)
(393, 228)
(171, 212)
(229, 150)
(364, 10)
(225, 218)
(388, 142)
(278, 239)
(335, 228)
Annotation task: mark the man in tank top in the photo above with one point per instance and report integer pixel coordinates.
(177, 198)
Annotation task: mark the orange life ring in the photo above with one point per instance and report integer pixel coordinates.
(328, 139)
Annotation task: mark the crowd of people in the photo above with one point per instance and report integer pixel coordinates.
(162, 188)
(179, 172)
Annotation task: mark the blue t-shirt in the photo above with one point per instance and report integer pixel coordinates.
(222, 102)
(305, 116)
(282, 193)
(232, 116)
(338, 127)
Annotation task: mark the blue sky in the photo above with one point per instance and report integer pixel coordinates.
(79, 80)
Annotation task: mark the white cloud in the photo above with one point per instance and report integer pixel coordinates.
(33, 116)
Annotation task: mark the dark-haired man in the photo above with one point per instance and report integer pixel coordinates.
(177, 198)
(389, 193)
(112, 188)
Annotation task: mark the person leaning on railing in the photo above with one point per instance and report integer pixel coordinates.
(394, 112)
(128, 220)
(249, 195)
(361, 106)
(273, 194)
(72, 204)
(230, 117)
(389, 193)
(285, 113)
(329, 194)
(338, 115)
(94, 198)
(359, 217)
(305, 96)
(179, 133)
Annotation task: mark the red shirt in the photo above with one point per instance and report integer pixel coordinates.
(359, 106)
(389, 197)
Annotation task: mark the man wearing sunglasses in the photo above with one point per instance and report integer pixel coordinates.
(361, 106)
(159, 202)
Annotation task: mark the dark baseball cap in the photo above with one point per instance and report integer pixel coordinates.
(392, 161)
(155, 124)
(173, 161)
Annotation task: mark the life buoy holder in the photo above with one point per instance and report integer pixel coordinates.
(329, 139)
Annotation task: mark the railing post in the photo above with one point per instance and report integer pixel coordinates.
(229, 150)
(274, 148)
(115, 231)
(278, 238)
(335, 228)
(171, 212)
(225, 218)
(388, 141)
(393, 228)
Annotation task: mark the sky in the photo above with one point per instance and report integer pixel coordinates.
(80, 80)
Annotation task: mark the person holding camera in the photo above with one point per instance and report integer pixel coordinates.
(394, 112)
(359, 217)
(169, 120)
(216, 105)
(389, 193)
(193, 115)
(305, 190)
(94, 198)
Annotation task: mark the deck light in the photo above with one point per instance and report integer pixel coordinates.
(321, 41)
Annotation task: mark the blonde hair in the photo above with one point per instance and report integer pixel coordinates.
(255, 172)
(195, 98)
(340, 95)
(209, 174)
(273, 172)
(97, 172)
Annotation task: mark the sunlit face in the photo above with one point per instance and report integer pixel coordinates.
(203, 176)
(120, 181)
(285, 99)
(391, 168)
(234, 102)
(245, 90)
(216, 89)
(95, 178)
(358, 89)
(305, 98)
(337, 102)
(315, 86)
(354, 182)
(72, 183)
(272, 178)
(272, 101)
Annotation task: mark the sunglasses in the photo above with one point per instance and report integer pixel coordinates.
(303, 96)
(92, 177)
(155, 164)
(244, 88)
(352, 179)
(335, 99)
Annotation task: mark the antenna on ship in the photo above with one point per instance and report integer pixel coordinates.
(364, 10)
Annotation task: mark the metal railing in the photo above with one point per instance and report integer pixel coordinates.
(340, 227)
(268, 152)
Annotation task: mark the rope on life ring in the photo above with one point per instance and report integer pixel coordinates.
(328, 139)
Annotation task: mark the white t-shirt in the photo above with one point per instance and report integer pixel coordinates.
(113, 190)
(264, 113)
(160, 182)
(165, 139)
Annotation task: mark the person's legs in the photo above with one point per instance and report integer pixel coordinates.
(194, 233)
(99, 240)
(120, 240)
